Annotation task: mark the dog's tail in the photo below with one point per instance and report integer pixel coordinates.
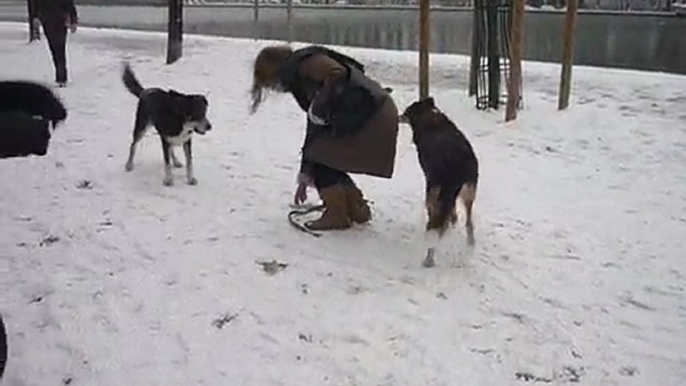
(443, 208)
(131, 82)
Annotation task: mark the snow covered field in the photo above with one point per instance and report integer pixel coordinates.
(110, 278)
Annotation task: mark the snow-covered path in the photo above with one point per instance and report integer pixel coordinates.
(578, 273)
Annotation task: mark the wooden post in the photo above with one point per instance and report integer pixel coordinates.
(175, 31)
(424, 39)
(256, 19)
(567, 53)
(493, 54)
(475, 59)
(289, 19)
(34, 32)
(514, 91)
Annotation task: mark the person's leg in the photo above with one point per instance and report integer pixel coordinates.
(330, 184)
(57, 40)
(61, 55)
(357, 207)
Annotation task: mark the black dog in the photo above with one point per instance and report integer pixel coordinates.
(3, 347)
(22, 135)
(450, 168)
(33, 99)
(175, 116)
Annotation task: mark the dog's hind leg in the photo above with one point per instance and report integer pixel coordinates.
(132, 153)
(433, 234)
(175, 161)
(189, 163)
(431, 238)
(468, 195)
(168, 177)
(138, 133)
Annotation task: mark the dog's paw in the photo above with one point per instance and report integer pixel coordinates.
(168, 182)
(128, 167)
(429, 261)
(192, 181)
(177, 164)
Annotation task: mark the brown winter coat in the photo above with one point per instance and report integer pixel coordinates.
(370, 149)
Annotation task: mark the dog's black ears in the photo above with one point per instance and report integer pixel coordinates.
(202, 99)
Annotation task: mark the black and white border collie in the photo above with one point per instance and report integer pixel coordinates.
(174, 115)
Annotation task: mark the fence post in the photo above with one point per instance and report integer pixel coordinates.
(514, 91)
(175, 31)
(567, 53)
(256, 19)
(493, 53)
(289, 19)
(474, 60)
(424, 39)
(34, 32)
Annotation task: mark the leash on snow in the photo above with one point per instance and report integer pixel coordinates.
(292, 215)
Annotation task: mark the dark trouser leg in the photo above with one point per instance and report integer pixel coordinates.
(330, 184)
(57, 40)
(357, 207)
(325, 177)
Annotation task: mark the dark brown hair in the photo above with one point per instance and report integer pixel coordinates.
(266, 71)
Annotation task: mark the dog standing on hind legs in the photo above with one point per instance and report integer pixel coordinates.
(450, 168)
(176, 117)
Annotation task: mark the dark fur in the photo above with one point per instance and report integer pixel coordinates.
(3, 347)
(446, 158)
(33, 99)
(22, 135)
(168, 111)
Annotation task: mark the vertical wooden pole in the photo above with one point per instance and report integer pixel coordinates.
(34, 32)
(289, 19)
(256, 19)
(424, 39)
(493, 53)
(514, 91)
(568, 53)
(175, 31)
(475, 59)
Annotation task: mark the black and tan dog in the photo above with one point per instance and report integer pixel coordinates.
(450, 168)
(22, 135)
(175, 117)
(27, 110)
(33, 99)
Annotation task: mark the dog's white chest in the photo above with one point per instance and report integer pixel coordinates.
(185, 136)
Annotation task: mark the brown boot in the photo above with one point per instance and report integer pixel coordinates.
(335, 215)
(358, 210)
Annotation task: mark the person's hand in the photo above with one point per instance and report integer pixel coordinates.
(300, 194)
(35, 22)
(301, 191)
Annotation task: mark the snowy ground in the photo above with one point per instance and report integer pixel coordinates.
(578, 275)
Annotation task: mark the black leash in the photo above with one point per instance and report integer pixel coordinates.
(301, 212)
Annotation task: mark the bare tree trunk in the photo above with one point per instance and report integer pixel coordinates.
(424, 39)
(34, 31)
(567, 54)
(514, 91)
(175, 31)
(289, 19)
